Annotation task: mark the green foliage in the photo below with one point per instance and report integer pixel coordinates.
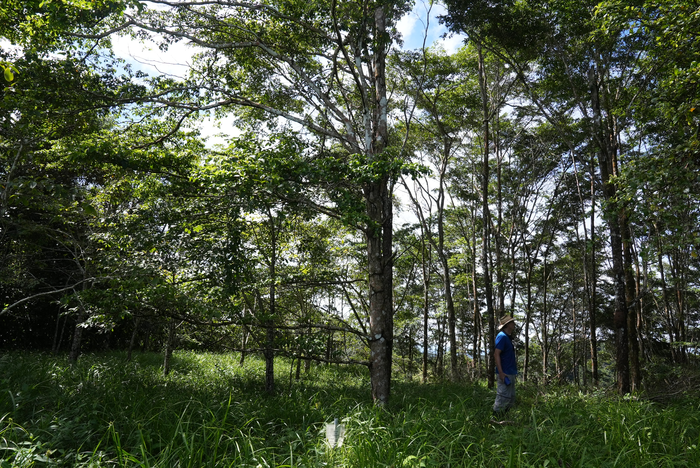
(45, 24)
(209, 412)
(517, 24)
(8, 73)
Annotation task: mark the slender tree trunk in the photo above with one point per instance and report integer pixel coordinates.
(528, 318)
(269, 352)
(55, 345)
(639, 293)
(498, 237)
(486, 236)
(593, 285)
(63, 332)
(134, 335)
(670, 326)
(545, 325)
(329, 346)
(426, 305)
(169, 343)
(514, 276)
(678, 266)
(77, 335)
(78, 332)
(630, 298)
(642, 285)
(447, 287)
(244, 344)
(475, 296)
(607, 161)
(574, 337)
(477, 323)
(451, 322)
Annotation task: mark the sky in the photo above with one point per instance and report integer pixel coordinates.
(420, 23)
(419, 26)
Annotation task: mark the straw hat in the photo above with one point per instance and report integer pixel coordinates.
(505, 320)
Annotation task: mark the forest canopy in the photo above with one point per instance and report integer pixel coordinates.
(363, 203)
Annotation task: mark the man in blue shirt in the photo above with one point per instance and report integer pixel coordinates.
(504, 355)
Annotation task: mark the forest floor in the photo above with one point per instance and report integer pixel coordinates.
(210, 411)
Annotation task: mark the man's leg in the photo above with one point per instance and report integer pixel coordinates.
(505, 395)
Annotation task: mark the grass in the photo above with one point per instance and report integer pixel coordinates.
(211, 412)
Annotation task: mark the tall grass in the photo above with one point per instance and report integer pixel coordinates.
(211, 412)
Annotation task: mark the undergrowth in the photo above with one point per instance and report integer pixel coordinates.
(210, 411)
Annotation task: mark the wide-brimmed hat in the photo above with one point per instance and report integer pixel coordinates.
(505, 320)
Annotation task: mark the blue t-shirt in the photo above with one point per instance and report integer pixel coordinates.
(508, 363)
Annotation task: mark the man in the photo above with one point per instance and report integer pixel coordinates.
(504, 355)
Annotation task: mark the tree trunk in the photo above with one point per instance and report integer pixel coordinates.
(269, 352)
(528, 316)
(678, 267)
(447, 281)
(498, 236)
(545, 318)
(607, 155)
(134, 334)
(668, 315)
(426, 257)
(486, 236)
(56, 342)
(593, 283)
(244, 338)
(476, 344)
(77, 335)
(379, 233)
(630, 298)
(169, 347)
(380, 287)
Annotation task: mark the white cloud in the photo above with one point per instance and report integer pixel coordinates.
(451, 43)
(421, 27)
(406, 24)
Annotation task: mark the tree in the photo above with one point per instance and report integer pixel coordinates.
(317, 65)
(599, 82)
(45, 198)
(440, 89)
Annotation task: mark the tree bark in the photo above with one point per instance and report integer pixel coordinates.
(545, 319)
(134, 334)
(269, 352)
(444, 261)
(607, 155)
(77, 336)
(528, 314)
(426, 257)
(379, 233)
(169, 346)
(630, 298)
(380, 289)
(486, 233)
(593, 284)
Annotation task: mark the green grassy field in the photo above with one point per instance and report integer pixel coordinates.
(211, 412)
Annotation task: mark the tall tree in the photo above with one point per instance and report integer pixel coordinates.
(439, 88)
(318, 65)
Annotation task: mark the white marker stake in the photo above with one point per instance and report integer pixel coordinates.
(335, 433)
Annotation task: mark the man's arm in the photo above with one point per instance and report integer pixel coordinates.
(497, 358)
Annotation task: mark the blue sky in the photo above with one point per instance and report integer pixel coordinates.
(422, 23)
